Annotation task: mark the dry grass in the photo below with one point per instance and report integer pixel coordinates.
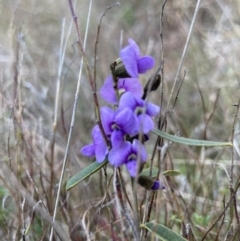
(33, 149)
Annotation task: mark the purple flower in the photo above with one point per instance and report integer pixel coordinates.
(158, 185)
(132, 85)
(144, 110)
(118, 123)
(134, 64)
(98, 148)
(128, 153)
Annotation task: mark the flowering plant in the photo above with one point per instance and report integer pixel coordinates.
(120, 139)
(130, 118)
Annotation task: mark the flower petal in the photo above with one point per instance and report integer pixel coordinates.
(158, 185)
(133, 44)
(146, 123)
(140, 102)
(107, 91)
(145, 63)
(139, 147)
(127, 100)
(101, 149)
(132, 168)
(101, 153)
(152, 109)
(127, 121)
(88, 150)
(117, 138)
(118, 155)
(107, 116)
(129, 58)
(132, 85)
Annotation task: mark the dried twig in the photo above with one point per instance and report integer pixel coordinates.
(183, 54)
(118, 189)
(75, 104)
(162, 52)
(176, 98)
(222, 222)
(148, 202)
(96, 43)
(221, 215)
(88, 71)
(55, 118)
(211, 115)
(233, 192)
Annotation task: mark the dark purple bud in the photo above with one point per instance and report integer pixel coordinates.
(157, 185)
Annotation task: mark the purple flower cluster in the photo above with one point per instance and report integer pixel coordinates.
(132, 115)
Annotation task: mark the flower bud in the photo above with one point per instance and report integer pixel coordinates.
(150, 183)
(157, 185)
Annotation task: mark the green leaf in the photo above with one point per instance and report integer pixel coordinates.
(171, 173)
(187, 141)
(84, 173)
(162, 232)
(145, 172)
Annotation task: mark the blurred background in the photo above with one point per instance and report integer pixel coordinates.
(32, 147)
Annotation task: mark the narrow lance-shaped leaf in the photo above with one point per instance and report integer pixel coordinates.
(162, 232)
(188, 141)
(146, 172)
(171, 173)
(84, 173)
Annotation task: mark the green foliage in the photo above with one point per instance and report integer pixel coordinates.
(95, 166)
(188, 141)
(6, 207)
(171, 173)
(37, 226)
(162, 232)
(200, 219)
(128, 16)
(84, 173)
(146, 172)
